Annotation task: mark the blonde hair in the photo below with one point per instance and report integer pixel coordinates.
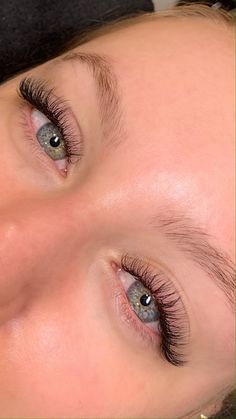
(191, 10)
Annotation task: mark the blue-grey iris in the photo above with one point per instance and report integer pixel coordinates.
(50, 138)
(142, 302)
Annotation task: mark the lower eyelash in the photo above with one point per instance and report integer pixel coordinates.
(39, 96)
(173, 324)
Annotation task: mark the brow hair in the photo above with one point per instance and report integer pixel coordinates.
(107, 90)
(196, 244)
(192, 240)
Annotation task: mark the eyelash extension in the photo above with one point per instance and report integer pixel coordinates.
(42, 98)
(173, 324)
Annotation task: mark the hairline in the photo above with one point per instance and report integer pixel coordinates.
(186, 11)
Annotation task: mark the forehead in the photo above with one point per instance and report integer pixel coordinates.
(176, 80)
(175, 77)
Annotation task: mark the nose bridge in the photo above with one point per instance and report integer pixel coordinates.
(39, 238)
(35, 226)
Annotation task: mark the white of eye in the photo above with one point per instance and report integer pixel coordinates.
(38, 119)
(126, 278)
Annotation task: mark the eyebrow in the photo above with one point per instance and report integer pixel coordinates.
(196, 244)
(191, 240)
(107, 90)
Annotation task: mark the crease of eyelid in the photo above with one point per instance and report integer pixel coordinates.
(108, 90)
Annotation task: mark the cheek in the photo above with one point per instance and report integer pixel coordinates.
(12, 166)
(9, 170)
(67, 356)
(59, 353)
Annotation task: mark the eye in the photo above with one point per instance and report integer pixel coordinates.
(53, 124)
(141, 299)
(151, 304)
(142, 302)
(50, 138)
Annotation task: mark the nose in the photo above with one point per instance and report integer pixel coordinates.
(40, 239)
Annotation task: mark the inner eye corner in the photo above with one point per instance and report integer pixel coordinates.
(116, 266)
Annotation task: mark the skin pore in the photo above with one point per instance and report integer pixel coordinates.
(67, 345)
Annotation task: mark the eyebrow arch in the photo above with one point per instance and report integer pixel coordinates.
(192, 240)
(107, 89)
(196, 244)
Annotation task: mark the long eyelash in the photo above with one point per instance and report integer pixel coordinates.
(41, 97)
(173, 323)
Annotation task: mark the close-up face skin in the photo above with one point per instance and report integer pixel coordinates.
(116, 221)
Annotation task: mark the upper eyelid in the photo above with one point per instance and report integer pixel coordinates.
(41, 96)
(156, 269)
(138, 266)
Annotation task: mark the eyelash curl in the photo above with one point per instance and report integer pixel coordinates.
(173, 324)
(41, 97)
(172, 315)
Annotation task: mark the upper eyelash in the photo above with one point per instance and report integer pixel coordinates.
(174, 327)
(172, 320)
(41, 97)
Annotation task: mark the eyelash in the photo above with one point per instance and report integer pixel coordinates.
(172, 320)
(172, 316)
(41, 97)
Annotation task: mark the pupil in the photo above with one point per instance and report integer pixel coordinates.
(55, 141)
(145, 300)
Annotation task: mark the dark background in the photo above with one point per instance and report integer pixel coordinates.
(32, 31)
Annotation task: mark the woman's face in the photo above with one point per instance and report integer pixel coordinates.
(113, 295)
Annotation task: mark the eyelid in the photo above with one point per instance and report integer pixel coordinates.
(174, 322)
(36, 94)
(34, 150)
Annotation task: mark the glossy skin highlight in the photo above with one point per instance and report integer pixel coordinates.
(64, 349)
